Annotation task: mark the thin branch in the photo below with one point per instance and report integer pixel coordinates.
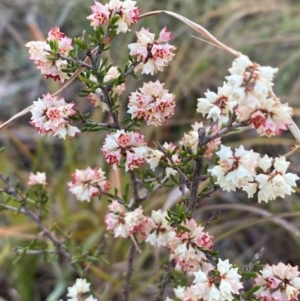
(74, 60)
(135, 190)
(24, 210)
(166, 278)
(173, 165)
(197, 177)
(127, 286)
(225, 131)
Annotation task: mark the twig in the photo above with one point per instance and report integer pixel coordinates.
(225, 131)
(134, 182)
(173, 165)
(213, 216)
(197, 177)
(126, 292)
(166, 278)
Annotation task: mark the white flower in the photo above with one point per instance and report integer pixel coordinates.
(207, 288)
(235, 170)
(160, 231)
(80, 287)
(277, 183)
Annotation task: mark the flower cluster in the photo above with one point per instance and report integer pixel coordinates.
(38, 178)
(217, 284)
(188, 248)
(125, 224)
(159, 229)
(96, 97)
(49, 64)
(152, 54)
(190, 140)
(278, 282)
(126, 11)
(128, 145)
(274, 181)
(235, 170)
(153, 103)
(88, 183)
(79, 290)
(246, 170)
(51, 117)
(248, 93)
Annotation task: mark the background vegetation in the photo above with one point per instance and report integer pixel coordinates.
(266, 30)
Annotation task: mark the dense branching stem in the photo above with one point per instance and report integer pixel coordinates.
(26, 211)
(173, 165)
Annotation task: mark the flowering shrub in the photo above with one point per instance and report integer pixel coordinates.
(246, 99)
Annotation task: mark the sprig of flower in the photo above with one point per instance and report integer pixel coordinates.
(51, 65)
(51, 117)
(126, 11)
(128, 145)
(88, 183)
(153, 54)
(278, 283)
(153, 103)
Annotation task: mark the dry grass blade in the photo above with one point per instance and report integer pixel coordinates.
(197, 28)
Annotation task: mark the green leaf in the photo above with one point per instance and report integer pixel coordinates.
(249, 274)
(80, 43)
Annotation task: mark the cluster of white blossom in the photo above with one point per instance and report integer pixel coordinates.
(247, 93)
(248, 171)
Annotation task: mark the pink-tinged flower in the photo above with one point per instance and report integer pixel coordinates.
(278, 283)
(50, 65)
(273, 182)
(188, 248)
(160, 230)
(128, 145)
(55, 34)
(126, 11)
(64, 42)
(125, 223)
(51, 117)
(235, 170)
(100, 15)
(88, 183)
(221, 285)
(38, 178)
(190, 140)
(270, 118)
(153, 54)
(153, 104)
